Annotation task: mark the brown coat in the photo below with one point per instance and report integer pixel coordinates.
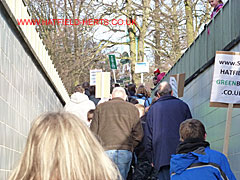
(116, 123)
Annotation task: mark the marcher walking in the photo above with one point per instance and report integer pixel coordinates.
(163, 121)
(116, 123)
(194, 158)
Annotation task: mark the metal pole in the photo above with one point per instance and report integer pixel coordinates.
(141, 78)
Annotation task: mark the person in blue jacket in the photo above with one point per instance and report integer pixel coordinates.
(161, 131)
(142, 96)
(194, 158)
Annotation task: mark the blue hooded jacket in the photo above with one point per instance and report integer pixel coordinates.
(213, 162)
(145, 101)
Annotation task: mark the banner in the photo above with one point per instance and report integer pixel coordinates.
(93, 76)
(102, 85)
(112, 61)
(174, 85)
(226, 78)
(141, 67)
(177, 82)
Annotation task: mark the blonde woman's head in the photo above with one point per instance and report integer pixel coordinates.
(61, 147)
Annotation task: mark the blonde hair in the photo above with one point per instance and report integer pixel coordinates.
(61, 147)
(79, 88)
(141, 109)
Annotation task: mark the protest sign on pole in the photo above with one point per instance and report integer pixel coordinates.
(226, 78)
(112, 60)
(102, 85)
(93, 76)
(113, 66)
(225, 87)
(173, 83)
(177, 82)
(141, 67)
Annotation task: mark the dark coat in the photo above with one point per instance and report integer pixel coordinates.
(143, 169)
(93, 99)
(87, 92)
(162, 129)
(140, 149)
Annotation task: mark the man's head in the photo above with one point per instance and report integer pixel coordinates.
(85, 85)
(90, 115)
(132, 88)
(119, 92)
(116, 85)
(164, 89)
(192, 128)
(155, 81)
(79, 88)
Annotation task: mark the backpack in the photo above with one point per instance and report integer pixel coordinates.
(143, 100)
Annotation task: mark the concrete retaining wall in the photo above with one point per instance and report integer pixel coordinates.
(29, 84)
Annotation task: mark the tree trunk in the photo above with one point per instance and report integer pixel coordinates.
(157, 34)
(189, 20)
(143, 30)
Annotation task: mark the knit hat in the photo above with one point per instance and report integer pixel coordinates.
(157, 71)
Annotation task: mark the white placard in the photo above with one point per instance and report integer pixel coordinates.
(226, 78)
(93, 76)
(174, 86)
(102, 85)
(141, 67)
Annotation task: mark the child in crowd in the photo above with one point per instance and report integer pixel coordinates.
(61, 147)
(194, 158)
(90, 116)
(217, 5)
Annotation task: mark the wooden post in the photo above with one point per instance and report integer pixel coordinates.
(177, 79)
(227, 129)
(141, 78)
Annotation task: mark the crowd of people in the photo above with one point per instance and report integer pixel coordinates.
(120, 139)
(129, 137)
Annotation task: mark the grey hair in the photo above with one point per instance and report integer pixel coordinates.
(164, 88)
(119, 92)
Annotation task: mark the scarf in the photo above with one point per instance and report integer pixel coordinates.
(190, 145)
(216, 9)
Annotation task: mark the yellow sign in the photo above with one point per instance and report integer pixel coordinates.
(102, 85)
